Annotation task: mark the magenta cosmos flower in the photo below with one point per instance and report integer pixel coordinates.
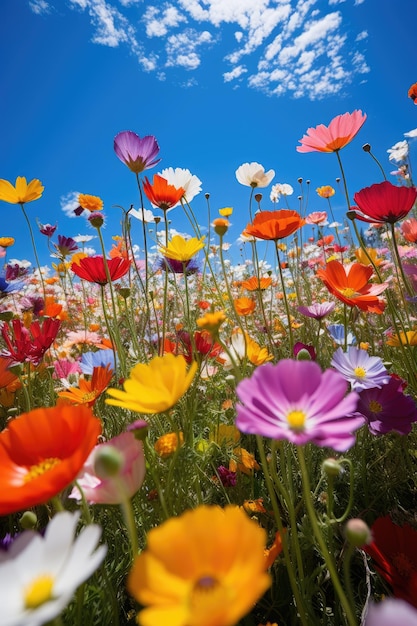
(341, 130)
(295, 400)
(388, 409)
(138, 154)
(384, 202)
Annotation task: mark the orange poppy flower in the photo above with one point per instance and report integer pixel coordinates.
(274, 224)
(412, 93)
(42, 452)
(244, 306)
(253, 283)
(161, 194)
(350, 285)
(7, 377)
(88, 391)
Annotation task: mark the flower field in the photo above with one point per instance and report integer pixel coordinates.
(190, 441)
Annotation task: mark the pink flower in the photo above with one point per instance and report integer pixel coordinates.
(125, 484)
(341, 130)
(318, 217)
(295, 400)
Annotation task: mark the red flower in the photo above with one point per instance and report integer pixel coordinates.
(161, 194)
(92, 268)
(384, 202)
(412, 93)
(341, 130)
(29, 345)
(394, 552)
(42, 452)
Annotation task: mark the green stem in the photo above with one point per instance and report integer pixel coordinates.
(34, 249)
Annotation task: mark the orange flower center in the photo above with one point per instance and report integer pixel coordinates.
(375, 407)
(348, 292)
(40, 468)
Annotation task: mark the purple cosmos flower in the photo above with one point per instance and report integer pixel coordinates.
(295, 400)
(227, 478)
(390, 612)
(388, 408)
(304, 352)
(138, 154)
(65, 246)
(47, 229)
(177, 267)
(359, 369)
(318, 310)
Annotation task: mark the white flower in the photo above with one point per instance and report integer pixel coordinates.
(254, 175)
(84, 238)
(411, 133)
(40, 574)
(182, 178)
(399, 151)
(147, 215)
(237, 350)
(280, 189)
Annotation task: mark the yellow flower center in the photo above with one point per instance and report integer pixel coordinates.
(296, 420)
(348, 292)
(89, 396)
(40, 468)
(38, 591)
(359, 372)
(375, 407)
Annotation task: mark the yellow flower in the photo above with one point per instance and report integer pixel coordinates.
(204, 567)
(6, 242)
(156, 386)
(226, 211)
(166, 445)
(364, 259)
(90, 203)
(181, 249)
(244, 305)
(211, 321)
(225, 435)
(257, 354)
(243, 461)
(406, 339)
(21, 192)
(326, 191)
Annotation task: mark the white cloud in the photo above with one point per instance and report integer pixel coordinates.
(69, 203)
(40, 6)
(277, 46)
(358, 2)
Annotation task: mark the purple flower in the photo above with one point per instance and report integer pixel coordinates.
(227, 478)
(387, 409)
(304, 352)
(318, 310)
(138, 154)
(295, 400)
(47, 229)
(65, 246)
(391, 612)
(177, 267)
(359, 369)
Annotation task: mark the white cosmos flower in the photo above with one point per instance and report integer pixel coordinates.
(182, 178)
(40, 574)
(399, 151)
(84, 238)
(280, 189)
(254, 175)
(147, 215)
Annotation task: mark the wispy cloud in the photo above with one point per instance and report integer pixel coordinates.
(277, 46)
(39, 6)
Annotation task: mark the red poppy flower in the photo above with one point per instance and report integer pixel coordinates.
(274, 224)
(384, 203)
(161, 194)
(92, 268)
(42, 452)
(28, 345)
(412, 93)
(341, 130)
(350, 285)
(394, 553)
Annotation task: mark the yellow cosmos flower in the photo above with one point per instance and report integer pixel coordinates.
(156, 386)
(211, 322)
(226, 211)
(166, 445)
(22, 191)
(204, 567)
(257, 354)
(326, 191)
(181, 249)
(364, 259)
(6, 242)
(406, 339)
(90, 203)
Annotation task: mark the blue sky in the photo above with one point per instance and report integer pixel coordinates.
(218, 82)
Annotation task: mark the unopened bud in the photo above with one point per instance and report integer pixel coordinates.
(96, 219)
(331, 467)
(358, 533)
(108, 462)
(28, 520)
(366, 147)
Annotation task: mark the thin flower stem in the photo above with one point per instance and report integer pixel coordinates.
(145, 242)
(287, 308)
(34, 249)
(129, 518)
(330, 564)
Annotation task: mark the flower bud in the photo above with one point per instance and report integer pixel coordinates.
(331, 467)
(221, 226)
(108, 462)
(139, 428)
(96, 219)
(358, 533)
(258, 197)
(366, 147)
(28, 520)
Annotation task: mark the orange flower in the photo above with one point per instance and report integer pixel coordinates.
(350, 285)
(42, 452)
(326, 191)
(254, 506)
(244, 306)
(53, 309)
(274, 224)
(254, 284)
(166, 445)
(7, 378)
(274, 551)
(90, 203)
(88, 391)
(244, 461)
(161, 194)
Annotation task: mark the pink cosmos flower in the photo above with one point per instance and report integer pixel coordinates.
(295, 400)
(138, 154)
(113, 490)
(317, 310)
(341, 130)
(318, 217)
